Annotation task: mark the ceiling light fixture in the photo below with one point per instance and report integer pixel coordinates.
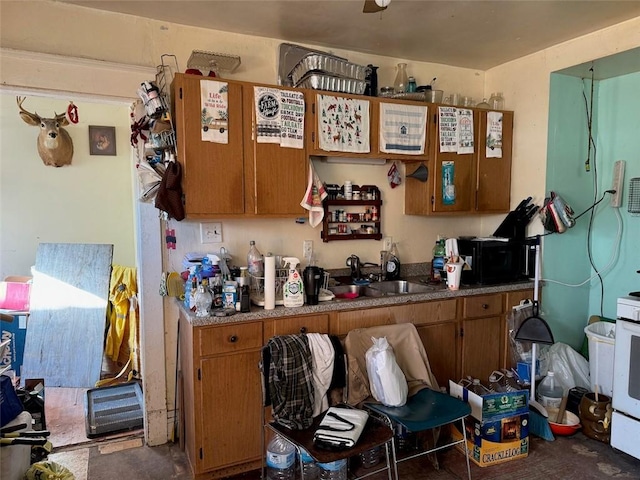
(383, 3)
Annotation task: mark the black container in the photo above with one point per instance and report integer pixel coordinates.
(312, 278)
(573, 399)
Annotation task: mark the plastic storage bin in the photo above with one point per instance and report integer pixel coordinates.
(601, 338)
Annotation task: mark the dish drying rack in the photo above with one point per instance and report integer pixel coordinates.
(257, 287)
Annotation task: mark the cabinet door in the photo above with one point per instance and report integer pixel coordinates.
(276, 177)
(494, 174)
(440, 342)
(231, 399)
(340, 126)
(453, 176)
(482, 339)
(213, 173)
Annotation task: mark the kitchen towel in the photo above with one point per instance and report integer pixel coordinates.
(494, 135)
(403, 128)
(269, 282)
(292, 119)
(313, 198)
(465, 130)
(448, 129)
(343, 124)
(215, 111)
(267, 102)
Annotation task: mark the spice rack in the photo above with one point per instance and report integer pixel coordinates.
(353, 219)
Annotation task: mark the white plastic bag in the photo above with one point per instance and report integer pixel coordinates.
(570, 369)
(387, 381)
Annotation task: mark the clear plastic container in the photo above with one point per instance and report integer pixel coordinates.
(496, 382)
(477, 387)
(281, 457)
(371, 457)
(333, 470)
(511, 382)
(310, 469)
(549, 393)
(254, 260)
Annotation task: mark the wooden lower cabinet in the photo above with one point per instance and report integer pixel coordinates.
(221, 386)
(222, 397)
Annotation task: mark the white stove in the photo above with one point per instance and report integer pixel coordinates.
(625, 420)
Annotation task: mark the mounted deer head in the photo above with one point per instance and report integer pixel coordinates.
(54, 143)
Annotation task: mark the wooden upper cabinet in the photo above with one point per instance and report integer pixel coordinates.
(463, 183)
(275, 176)
(212, 173)
(494, 174)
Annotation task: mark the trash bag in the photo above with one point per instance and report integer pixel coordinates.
(386, 379)
(48, 471)
(570, 369)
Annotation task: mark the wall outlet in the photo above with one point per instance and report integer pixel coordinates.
(307, 249)
(210, 233)
(387, 243)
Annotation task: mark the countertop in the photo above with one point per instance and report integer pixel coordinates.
(439, 292)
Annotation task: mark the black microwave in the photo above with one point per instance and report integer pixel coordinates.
(488, 262)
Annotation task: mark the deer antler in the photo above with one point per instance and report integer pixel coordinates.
(31, 118)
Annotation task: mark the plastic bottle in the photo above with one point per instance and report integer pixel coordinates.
(510, 381)
(333, 470)
(438, 261)
(310, 469)
(370, 458)
(549, 392)
(254, 260)
(281, 457)
(477, 388)
(496, 383)
(293, 292)
(203, 299)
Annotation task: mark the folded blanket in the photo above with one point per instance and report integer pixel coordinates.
(341, 427)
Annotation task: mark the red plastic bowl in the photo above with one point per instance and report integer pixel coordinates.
(570, 425)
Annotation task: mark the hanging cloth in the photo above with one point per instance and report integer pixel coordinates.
(313, 197)
(121, 344)
(403, 128)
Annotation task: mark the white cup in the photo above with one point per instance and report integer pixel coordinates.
(454, 271)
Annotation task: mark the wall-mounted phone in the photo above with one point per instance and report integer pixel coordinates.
(618, 181)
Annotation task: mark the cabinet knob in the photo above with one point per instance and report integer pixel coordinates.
(303, 329)
(233, 338)
(485, 306)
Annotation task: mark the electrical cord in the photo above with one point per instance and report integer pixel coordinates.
(612, 260)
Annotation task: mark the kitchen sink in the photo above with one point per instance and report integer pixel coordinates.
(355, 291)
(380, 289)
(397, 287)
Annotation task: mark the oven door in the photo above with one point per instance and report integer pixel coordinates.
(626, 367)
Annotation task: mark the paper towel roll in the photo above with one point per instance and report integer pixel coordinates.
(269, 282)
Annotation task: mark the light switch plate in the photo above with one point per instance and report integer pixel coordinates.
(210, 232)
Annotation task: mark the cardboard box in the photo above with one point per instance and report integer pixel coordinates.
(498, 428)
(15, 332)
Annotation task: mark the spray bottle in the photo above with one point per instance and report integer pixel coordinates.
(293, 294)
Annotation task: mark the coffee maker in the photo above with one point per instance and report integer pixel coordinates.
(312, 277)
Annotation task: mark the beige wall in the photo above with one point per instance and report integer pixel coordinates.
(89, 201)
(141, 43)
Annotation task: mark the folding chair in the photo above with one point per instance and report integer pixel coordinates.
(426, 407)
(375, 434)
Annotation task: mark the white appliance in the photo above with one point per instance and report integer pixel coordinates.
(625, 420)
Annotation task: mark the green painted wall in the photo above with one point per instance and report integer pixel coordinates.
(572, 290)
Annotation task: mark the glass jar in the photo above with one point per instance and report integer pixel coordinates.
(411, 86)
(496, 101)
(400, 84)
